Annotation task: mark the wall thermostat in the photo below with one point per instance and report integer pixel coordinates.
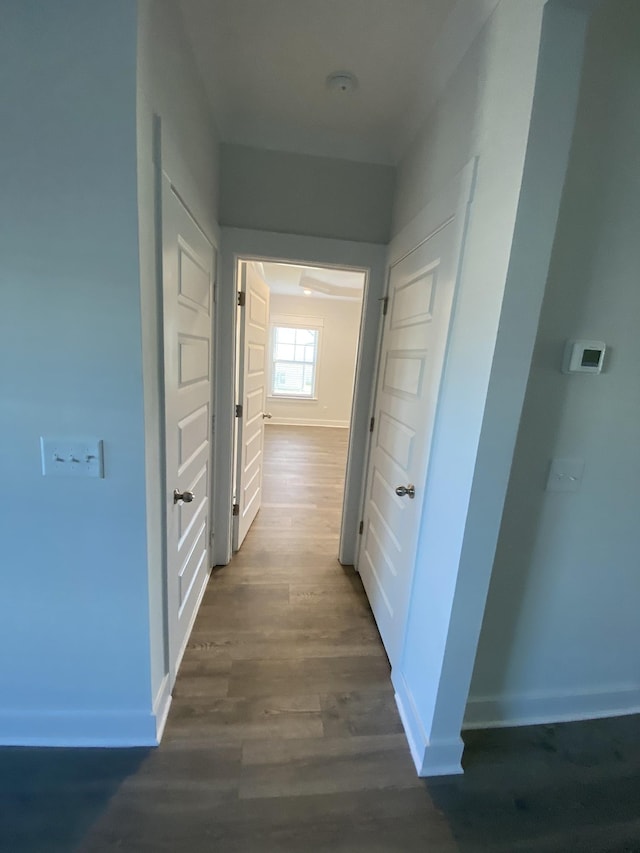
(583, 356)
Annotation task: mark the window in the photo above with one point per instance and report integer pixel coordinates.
(294, 361)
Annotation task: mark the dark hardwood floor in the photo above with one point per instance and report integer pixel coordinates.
(284, 737)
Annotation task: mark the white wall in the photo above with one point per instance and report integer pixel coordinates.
(336, 363)
(559, 638)
(168, 87)
(74, 655)
(487, 110)
(299, 194)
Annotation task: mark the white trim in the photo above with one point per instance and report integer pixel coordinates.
(161, 706)
(416, 738)
(294, 321)
(296, 397)
(494, 712)
(431, 758)
(316, 422)
(78, 728)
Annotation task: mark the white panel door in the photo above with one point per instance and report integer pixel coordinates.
(188, 263)
(252, 373)
(420, 298)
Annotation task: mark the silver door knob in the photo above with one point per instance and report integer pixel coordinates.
(267, 415)
(406, 491)
(185, 497)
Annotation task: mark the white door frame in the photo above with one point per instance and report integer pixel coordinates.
(311, 251)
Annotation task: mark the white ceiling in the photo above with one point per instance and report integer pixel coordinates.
(265, 62)
(323, 282)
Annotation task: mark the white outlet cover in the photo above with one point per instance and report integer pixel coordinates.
(66, 457)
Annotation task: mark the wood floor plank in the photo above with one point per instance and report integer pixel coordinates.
(370, 712)
(299, 616)
(235, 719)
(302, 644)
(328, 766)
(302, 676)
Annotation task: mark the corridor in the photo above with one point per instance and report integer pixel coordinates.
(283, 736)
(283, 733)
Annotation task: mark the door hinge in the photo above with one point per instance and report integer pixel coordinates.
(213, 424)
(372, 423)
(242, 298)
(236, 509)
(385, 305)
(361, 528)
(238, 410)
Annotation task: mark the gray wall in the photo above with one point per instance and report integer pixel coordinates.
(299, 194)
(74, 634)
(170, 88)
(560, 632)
(79, 355)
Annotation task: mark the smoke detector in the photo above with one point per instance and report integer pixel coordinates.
(342, 81)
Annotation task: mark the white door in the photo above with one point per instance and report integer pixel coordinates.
(188, 264)
(252, 358)
(420, 298)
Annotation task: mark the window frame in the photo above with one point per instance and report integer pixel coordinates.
(290, 321)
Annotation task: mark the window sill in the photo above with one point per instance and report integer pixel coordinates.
(275, 397)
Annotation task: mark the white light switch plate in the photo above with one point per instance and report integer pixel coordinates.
(565, 475)
(63, 457)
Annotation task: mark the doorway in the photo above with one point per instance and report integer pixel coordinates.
(298, 331)
(254, 247)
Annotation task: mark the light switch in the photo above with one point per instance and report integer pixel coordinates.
(62, 457)
(565, 475)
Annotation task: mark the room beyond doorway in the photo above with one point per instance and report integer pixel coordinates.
(302, 492)
(367, 258)
(298, 331)
(315, 317)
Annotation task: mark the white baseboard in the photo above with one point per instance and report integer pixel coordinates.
(431, 758)
(492, 712)
(275, 421)
(78, 728)
(161, 706)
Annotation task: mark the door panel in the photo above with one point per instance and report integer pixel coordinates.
(252, 357)
(421, 291)
(188, 263)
